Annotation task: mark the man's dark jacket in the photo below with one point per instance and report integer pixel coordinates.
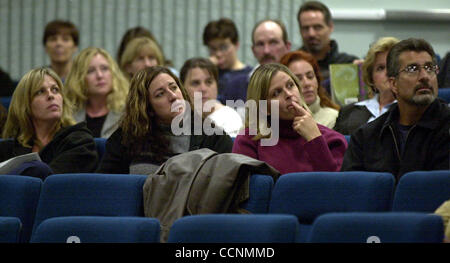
(375, 146)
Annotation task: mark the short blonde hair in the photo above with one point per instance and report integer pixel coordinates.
(258, 89)
(77, 87)
(133, 49)
(19, 123)
(383, 44)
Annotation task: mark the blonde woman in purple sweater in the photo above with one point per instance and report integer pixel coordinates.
(303, 145)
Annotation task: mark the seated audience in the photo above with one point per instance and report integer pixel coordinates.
(140, 53)
(303, 145)
(145, 138)
(61, 43)
(414, 134)
(222, 39)
(139, 31)
(354, 115)
(40, 120)
(98, 89)
(199, 75)
(305, 67)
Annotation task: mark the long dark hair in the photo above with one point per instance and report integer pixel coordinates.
(140, 129)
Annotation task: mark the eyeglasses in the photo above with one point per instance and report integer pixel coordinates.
(414, 69)
(221, 48)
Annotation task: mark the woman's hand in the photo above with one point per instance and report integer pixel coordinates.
(304, 123)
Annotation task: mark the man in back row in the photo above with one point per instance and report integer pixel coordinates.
(414, 134)
(316, 25)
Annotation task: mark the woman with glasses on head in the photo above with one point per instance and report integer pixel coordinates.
(303, 145)
(354, 115)
(39, 120)
(146, 136)
(305, 67)
(98, 89)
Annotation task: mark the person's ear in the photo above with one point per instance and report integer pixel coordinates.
(393, 85)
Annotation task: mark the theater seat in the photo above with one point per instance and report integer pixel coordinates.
(10, 229)
(422, 191)
(444, 93)
(90, 195)
(311, 194)
(100, 144)
(234, 228)
(19, 196)
(382, 227)
(97, 229)
(260, 191)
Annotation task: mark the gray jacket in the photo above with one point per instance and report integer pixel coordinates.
(109, 126)
(199, 182)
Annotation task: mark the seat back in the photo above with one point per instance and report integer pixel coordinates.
(19, 197)
(234, 228)
(5, 101)
(422, 191)
(10, 229)
(261, 187)
(100, 144)
(97, 229)
(310, 194)
(444, 93)
(90, 194)
(381, 227)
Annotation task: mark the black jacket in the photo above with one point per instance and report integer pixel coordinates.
(374, 146)
(351, 117)
(116, 159)
(72, 150)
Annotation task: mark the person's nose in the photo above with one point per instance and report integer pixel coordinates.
(50, 95)
(267, 49)
(311, 32)
(148, 62)
(423, 74)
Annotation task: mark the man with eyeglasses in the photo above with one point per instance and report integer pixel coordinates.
(414, 134)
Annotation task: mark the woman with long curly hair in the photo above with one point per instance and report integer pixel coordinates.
(145, 137)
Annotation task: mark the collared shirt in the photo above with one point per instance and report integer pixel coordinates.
(374, 107)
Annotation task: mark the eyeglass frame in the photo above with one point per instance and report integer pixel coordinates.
(434, 68)
(222, 48)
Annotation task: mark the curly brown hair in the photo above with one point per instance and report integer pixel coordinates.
(140, 130)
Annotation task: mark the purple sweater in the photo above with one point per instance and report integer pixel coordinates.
(293, 153)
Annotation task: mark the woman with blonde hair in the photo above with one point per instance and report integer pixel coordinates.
(97, 89)
(305, 67)
(145, 138)
(139, 53)
(40, 120)
(302, 144)
(354, 115)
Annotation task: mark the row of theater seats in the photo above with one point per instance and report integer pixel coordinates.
(443, 93)
(298, 207)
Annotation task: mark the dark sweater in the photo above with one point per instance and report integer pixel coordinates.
(72, 150)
